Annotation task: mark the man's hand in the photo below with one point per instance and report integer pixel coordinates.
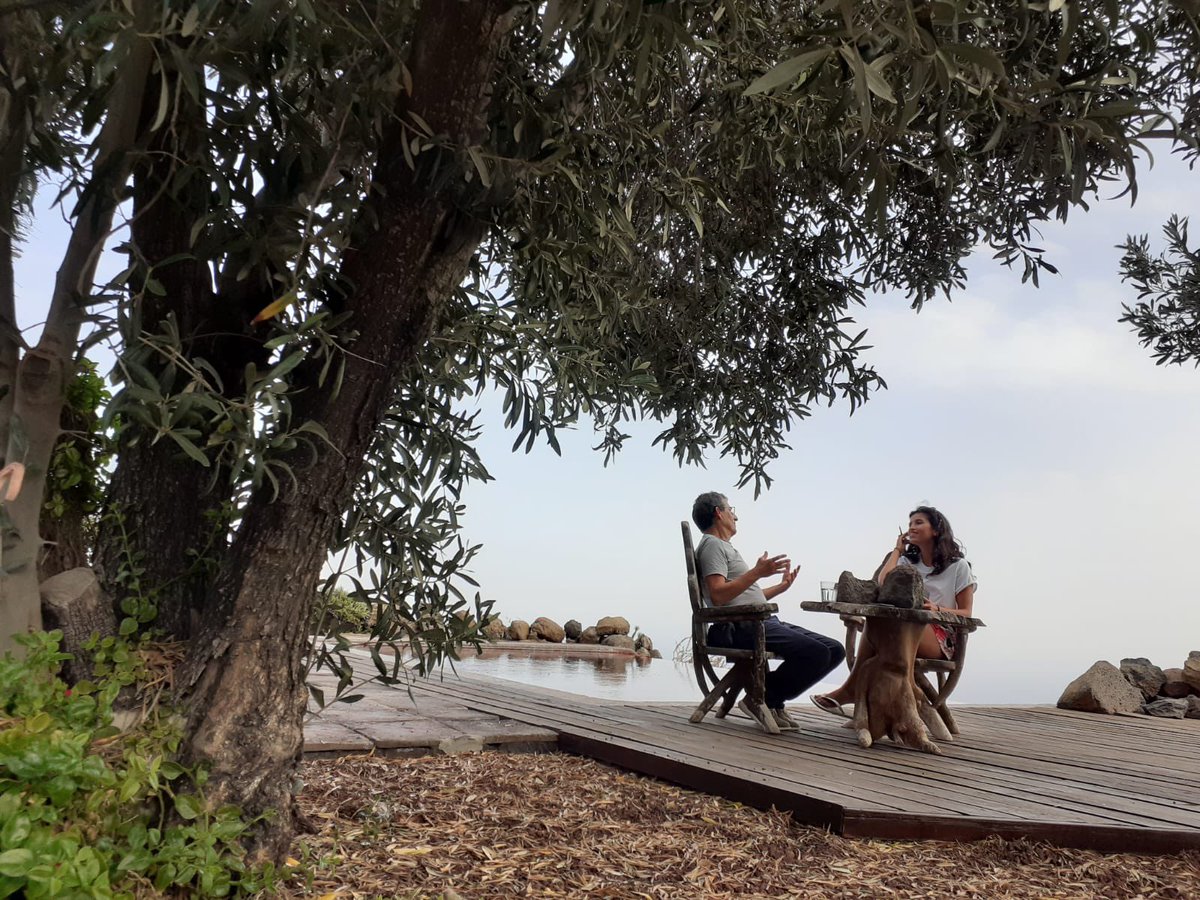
(769, 565)
(786, 581)
(789, 577)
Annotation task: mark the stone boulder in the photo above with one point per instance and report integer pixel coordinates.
(589, 636)
(1166, 708)
(643, 642)
(1193, 708)
(904, 587)
(518, 630)
(547, 630)
(656, 654)
(612, 625)
(1103, 689)
(494, 630)
(624, 641)
(1175, 685)
(1143, 675)
(856, 590)
(1191, 671)
(572, 630)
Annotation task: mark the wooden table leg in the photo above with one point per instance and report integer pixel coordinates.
(887, 700)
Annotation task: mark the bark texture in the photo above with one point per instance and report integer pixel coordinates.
(244, 678)
(172, 538)
(73, 602)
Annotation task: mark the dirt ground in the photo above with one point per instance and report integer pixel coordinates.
(553, 825)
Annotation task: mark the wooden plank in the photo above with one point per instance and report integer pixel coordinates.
(885, 826)
(1038, 773)
(932, 789)
(987, 788)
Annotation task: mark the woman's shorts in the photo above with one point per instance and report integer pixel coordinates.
(946, 639)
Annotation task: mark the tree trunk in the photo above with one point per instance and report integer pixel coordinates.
(243, 679)
(38, 396)
(169, 538)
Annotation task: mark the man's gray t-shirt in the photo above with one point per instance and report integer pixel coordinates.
(717, 557)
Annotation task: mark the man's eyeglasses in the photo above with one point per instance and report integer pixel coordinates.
(732, 510)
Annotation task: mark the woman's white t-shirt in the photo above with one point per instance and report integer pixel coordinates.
(943, 587)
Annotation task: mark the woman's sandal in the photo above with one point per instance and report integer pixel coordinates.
(825, 703)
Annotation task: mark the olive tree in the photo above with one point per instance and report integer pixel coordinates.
(1166, 314)
(341, 219)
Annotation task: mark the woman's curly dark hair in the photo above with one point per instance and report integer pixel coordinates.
(945, 548)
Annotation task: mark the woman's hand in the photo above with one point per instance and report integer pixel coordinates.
(901, 540)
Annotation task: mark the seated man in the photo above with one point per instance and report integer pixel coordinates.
(725, 580)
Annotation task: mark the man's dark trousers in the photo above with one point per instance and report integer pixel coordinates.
(807, 656)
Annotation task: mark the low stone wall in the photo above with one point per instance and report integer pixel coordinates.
(610, 631)
(1137, 686)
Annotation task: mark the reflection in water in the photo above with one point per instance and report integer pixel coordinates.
(615, 677)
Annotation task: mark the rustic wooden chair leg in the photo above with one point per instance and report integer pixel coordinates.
(935, 700)
(944, 711)
(741, 669)
(722, 689)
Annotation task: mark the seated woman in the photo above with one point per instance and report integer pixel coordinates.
(929, 547)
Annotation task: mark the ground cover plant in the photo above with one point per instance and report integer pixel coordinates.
(91, 810)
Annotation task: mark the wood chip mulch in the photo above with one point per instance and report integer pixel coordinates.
(553, 825)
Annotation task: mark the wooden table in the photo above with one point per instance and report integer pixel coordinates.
(892, 696)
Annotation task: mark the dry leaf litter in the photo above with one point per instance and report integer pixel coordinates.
(553, 825)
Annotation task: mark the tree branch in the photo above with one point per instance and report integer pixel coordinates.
(93, 220)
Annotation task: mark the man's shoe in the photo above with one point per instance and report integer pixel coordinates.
(749, 710)
(784, 721)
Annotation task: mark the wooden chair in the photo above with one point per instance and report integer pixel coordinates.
(749, 670)
(947, 671)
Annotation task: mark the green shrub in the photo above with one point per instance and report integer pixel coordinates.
(90, 811)
(336, 609)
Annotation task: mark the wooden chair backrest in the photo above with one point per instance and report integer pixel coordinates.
(693, 577)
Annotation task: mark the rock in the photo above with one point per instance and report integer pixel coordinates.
(1143, 675)
(1102, 688)
(547, 630)
(73, 602)
(494, 630)
(518, 630)
(904, 587)
(589, 636)
(656, 654)
(612, 625)
(641, 653)
(572, 629)
(643, 642)
(1166, 708)
(1191, 671)
(856, 590)
(1175, 685)
(1193, 708)
(624, 641)
(466, 618)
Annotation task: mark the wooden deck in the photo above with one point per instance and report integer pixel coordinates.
(1073, 779)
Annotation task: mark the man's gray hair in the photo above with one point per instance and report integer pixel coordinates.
(704, 510)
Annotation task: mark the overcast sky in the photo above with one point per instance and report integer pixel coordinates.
(1063, 457)
(1061, 454)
